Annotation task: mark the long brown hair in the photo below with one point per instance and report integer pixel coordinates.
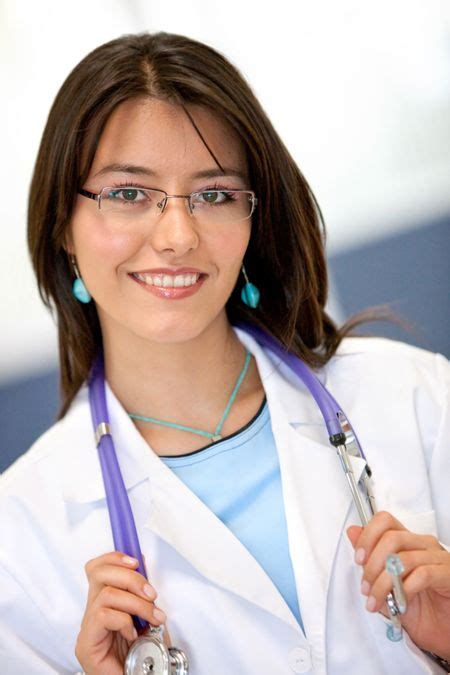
(285, 258)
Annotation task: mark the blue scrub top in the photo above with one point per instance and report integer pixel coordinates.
(239, 479)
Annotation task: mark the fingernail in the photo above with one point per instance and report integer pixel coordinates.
(360, 554)
(159, 614)
(370, 604)
(149, 591)
(127, 560)
(365, 587)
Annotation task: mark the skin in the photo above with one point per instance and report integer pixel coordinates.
(164, 356)
(116, 592)
(426, 578)
(160, 355)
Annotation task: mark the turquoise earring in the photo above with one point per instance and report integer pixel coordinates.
(79, 290)
(250, 294)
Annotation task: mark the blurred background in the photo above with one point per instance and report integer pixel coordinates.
(360, 94)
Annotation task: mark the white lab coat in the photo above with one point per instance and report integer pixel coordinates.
(222, 608)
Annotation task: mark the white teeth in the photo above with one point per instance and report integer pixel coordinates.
(168, 280)
(179, 281)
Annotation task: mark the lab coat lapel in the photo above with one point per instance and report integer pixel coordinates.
(316, 498)
(172, 511)
(181, 519)
(316, 495)
(317, 503)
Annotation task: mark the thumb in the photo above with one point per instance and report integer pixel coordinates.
(353, 533)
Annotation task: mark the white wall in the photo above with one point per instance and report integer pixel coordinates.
(359, 91)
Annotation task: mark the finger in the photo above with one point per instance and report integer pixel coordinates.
(394, 541)
(111, 558)
(116, 598)
(371, 533)
(353, 533)
(99, 625)
(119, 577)
(411, 561)
(434, 576)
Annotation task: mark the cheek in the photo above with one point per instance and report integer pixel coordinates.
(95, 244)
(230, 248)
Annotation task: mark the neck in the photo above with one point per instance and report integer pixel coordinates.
(186, 382)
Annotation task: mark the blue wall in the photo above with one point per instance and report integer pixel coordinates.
(411, 273)
(27, 408)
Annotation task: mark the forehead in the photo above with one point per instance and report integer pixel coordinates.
(159, 135)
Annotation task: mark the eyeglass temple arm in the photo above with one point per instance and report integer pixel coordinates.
(90, 195)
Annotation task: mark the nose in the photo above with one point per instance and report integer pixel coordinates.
(175, 229)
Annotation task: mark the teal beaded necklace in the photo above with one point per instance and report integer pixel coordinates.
(216, 436)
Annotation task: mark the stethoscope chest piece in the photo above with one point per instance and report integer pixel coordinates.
(148, 655)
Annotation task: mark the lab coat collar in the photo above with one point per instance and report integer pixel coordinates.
(315, 493)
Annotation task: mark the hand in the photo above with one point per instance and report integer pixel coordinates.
(116, 592)
(426, 578)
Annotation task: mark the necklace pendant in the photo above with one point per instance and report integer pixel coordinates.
(218, 437)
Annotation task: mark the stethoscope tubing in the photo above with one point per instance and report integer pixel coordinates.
(326, 404)
(123, 526)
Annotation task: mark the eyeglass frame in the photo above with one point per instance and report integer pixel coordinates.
(96, 196)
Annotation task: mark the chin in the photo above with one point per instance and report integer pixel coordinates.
(174, 332)
(179, 330)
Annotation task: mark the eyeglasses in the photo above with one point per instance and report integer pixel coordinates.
(209, 207)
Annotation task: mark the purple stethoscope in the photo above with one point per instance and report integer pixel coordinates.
(148, 654)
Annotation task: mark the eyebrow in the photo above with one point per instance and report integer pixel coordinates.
(146, 171)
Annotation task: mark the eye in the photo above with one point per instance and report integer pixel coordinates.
(212, 197)
(127, 194)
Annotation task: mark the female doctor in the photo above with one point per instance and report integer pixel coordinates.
(163, 210)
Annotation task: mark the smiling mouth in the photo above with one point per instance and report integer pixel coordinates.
(168, 280)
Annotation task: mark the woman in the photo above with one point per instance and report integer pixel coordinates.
(163, 210)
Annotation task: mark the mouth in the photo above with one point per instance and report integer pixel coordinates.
(168, 280)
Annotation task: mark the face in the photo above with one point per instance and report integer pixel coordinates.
(121, 261)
